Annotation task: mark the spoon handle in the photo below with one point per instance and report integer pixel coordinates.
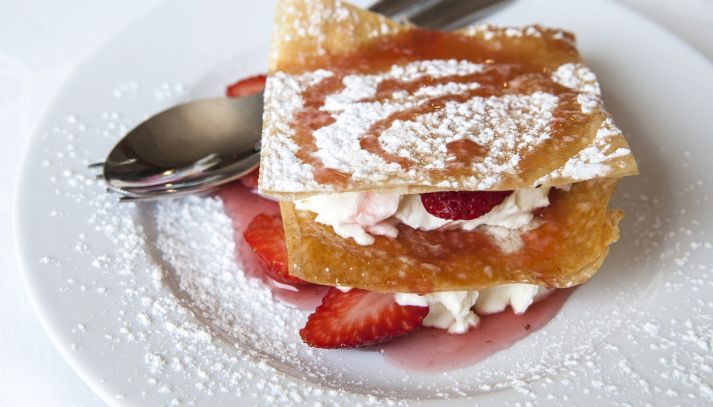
(400, 8)
(452, 14)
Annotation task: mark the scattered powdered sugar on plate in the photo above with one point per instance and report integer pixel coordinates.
(154, 292)
(229, 336)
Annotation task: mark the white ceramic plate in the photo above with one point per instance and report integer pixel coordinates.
(148, 306)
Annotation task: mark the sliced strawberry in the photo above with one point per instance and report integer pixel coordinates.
(249, 180)
(462, 205)
(266, 237)
(246, 87)
(359, 318)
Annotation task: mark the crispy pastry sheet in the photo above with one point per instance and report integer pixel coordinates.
(565, 250)
(308, 34)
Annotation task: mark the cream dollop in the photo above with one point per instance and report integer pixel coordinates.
(361, 215)
(454, 310)
(449, 310)
(518, 296)
(355, 215)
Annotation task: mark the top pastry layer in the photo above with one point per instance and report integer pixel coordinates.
(355, 101)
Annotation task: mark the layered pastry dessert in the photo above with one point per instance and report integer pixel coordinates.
(429, 177)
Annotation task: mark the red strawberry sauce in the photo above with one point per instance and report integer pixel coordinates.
(426, 350)
(431, 350)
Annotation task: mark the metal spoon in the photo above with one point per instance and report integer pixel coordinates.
(210, 140)
(196, 146)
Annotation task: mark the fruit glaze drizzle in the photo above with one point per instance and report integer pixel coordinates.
(509, 72)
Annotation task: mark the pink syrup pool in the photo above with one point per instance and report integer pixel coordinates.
(427, 350)
(242, 205)
(430, 350)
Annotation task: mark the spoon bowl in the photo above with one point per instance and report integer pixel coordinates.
(215, 138)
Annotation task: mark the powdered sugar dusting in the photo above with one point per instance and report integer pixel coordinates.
(339, 143)
(495, 119)
(489, 31)
(279, 102)
(510, 240)
(593, 161)
(495, 122)
(509, 127)
(309, 21)
(232, 341)
(577, 77)
(580, 78)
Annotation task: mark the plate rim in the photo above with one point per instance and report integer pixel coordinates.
(22, 192)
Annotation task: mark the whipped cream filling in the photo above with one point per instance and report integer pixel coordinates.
(513, 213)
(356, 215)
(457, 311)
(361, 215)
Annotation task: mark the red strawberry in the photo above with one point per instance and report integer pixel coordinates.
(359, 318)
(249, 180)
(246, 87)
(462, 205)
(266, 237)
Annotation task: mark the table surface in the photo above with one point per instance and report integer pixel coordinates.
(41, 42)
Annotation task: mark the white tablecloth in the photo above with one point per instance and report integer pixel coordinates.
(41, 41)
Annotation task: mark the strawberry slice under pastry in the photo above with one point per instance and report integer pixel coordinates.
(359, 318)
(246, 87)
(266, 238)
(452, 171)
